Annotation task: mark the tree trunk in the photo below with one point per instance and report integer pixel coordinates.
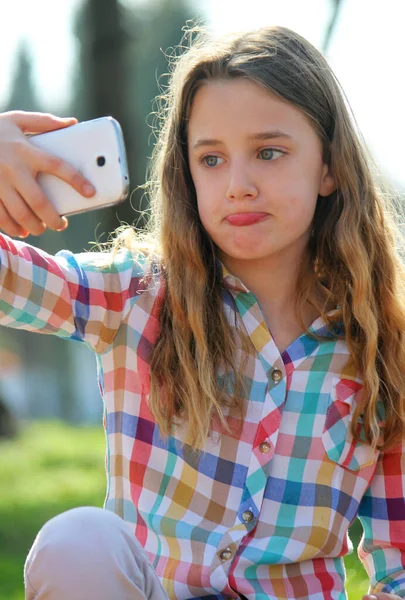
(109, 79)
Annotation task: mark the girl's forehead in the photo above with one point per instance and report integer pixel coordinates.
(239, 89)
(240, 105)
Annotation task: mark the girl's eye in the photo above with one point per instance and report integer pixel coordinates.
(270, 153)
(210, 160)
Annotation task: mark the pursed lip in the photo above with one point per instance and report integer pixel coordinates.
(246, 218)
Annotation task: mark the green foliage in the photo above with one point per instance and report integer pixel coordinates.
(53, 467)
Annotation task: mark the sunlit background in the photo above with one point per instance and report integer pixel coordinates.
(366, 51)
(87, 58)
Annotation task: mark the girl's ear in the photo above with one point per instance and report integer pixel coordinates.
(327, 185)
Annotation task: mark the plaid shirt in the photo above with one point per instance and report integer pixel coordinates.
(263, 514)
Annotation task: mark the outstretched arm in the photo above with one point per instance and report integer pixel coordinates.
(82, 297)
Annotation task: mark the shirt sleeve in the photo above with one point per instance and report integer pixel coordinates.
(382, 514)
(83, 297)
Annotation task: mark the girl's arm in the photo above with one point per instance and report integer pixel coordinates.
(83, 297)
(382, 514)
(72, 296)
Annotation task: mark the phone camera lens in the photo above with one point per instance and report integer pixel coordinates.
(101, 161)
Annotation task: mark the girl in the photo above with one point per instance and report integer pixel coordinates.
(250, 347)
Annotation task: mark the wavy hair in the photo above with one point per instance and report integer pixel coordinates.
(352, 260)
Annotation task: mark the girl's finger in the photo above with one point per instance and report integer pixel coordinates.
(29, 189)
(8, 224)
(20, 212)
(34, 122)
(48, 163)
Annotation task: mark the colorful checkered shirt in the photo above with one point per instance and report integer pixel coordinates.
(264, 514)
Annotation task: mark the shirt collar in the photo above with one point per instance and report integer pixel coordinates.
(230, 281)
(318, 327)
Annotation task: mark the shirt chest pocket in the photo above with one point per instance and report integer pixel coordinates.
(337, 438)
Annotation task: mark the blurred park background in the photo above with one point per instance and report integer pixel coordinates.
(89, 58)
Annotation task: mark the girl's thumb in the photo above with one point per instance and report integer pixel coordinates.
(34, 122)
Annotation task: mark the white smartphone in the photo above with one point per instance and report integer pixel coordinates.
(96, 148)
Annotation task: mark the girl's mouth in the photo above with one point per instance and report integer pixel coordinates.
(241, 219)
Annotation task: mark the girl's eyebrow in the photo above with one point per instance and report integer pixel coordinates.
(265, 135)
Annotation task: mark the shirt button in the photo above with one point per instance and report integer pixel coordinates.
(247, 516)
(226, 554)
(264, 447)
(276, 375)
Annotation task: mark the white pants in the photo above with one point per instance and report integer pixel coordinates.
(89, 554)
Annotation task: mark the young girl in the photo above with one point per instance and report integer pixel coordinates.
(250, 348)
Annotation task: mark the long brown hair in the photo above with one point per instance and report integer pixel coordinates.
(352, 260)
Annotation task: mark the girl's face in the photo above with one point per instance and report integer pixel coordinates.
(256, 162)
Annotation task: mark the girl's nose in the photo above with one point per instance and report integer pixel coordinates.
(241, 185)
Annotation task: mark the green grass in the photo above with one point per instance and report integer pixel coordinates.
(52, 467)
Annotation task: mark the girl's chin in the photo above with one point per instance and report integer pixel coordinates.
(243, 254)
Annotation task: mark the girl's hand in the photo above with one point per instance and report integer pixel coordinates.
(381, 596)
(24, 208)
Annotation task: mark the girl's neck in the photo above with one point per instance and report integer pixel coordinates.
(274, 284)
(272, 280)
